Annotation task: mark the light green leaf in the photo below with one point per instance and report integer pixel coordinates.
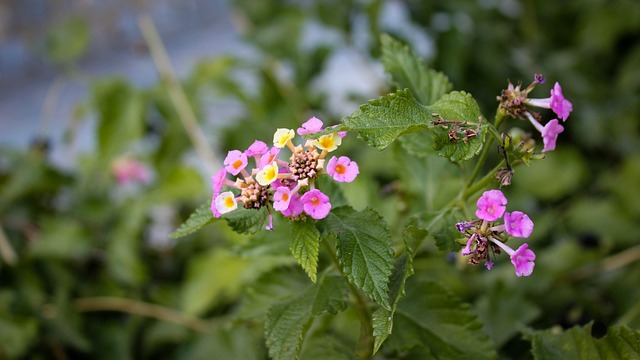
(432, 320)
(365, 250)
(246, 221)
(409, 71)
(201, 217)
(305, 242)
(383, 120)
(287, 322)
(577, 343)
(402, 270)
(419, 143)
(461, 107)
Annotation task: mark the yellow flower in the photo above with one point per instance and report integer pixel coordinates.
(328, 142)
(226, 202)
(268, 174)
(282, 137)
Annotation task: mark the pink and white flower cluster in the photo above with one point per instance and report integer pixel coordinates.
(485, 237)
(514, 99)
(288, 187)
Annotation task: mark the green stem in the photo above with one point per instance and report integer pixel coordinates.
(364, 347)
(470, 191)
(500, 117)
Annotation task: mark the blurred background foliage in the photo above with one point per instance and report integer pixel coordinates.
(87, 268)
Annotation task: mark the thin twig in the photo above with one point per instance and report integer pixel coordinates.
(106, 303)
(176, 93)
(6, 251)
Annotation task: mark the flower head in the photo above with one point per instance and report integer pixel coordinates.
(522, 259)
(342, 169)
(491, 205)
(561, 106)
(218, 180)
(235, 162)
(518, 224)
(316, 204)
(328, 142)
(268, 174)
(311, 126)
(295, 206)
(225, 202)
(268, 157)
(282, 137)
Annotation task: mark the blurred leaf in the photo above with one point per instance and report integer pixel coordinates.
(287, 322)
(602, 217)
(577, 343)
(327, 347)
(407, 70)
(198, 219)
(120, 111)
(504, 310)
(304, 246)
(67, 41)
(246, 221)
(365, 250)
(61, 238)
(625, 185)
(179, 183)
(429, 317)
(17, 333)
(402, 270)
(123, 251)
(228, 342)
(441, 225)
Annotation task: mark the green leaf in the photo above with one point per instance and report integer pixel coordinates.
(409, 71)
(287, 322)
(305, 242)
(327, 347)
(230, 341)
(461, 107)
(201, 217)
(383, 120)
(432, 320)
(123, 252)
(402, 270)
(419, 143)
(441, 226)
(246, 221)
(577, 343)
(365, 250)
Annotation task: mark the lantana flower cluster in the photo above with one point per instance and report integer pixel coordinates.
(289, 187)
(514, 99)
(486, 236)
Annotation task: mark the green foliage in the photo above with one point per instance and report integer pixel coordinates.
(201, 217)
(576, 343)
(246, 221)
(364, 250)
(305, 243)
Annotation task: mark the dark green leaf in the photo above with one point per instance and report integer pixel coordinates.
(402, 270)
(432, 319)
(246, 221)
(234, 341)
(460, 107)
(123, 254)
(332, 295)
(383, 120)
(577, 343)
(305, 242)
(365, 250)
(409, 71)
(441, 225)
(201, 217)
(327, 347)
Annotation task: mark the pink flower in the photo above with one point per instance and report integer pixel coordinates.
(281, 198)
(316, 204)
(491, 205)
(518, 224)
(258, 148)
(561, 106)
(342, 169)
(235, 162)
(218, 180)
(550, 134)
(488, 264)
(467, 249)
(522, 259)
(128, 170)
(214, 209)
(295, 207)
(311, 126)
(268, 157)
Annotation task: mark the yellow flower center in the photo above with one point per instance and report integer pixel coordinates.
(341, 169)
(236, 164)
(228, 202)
